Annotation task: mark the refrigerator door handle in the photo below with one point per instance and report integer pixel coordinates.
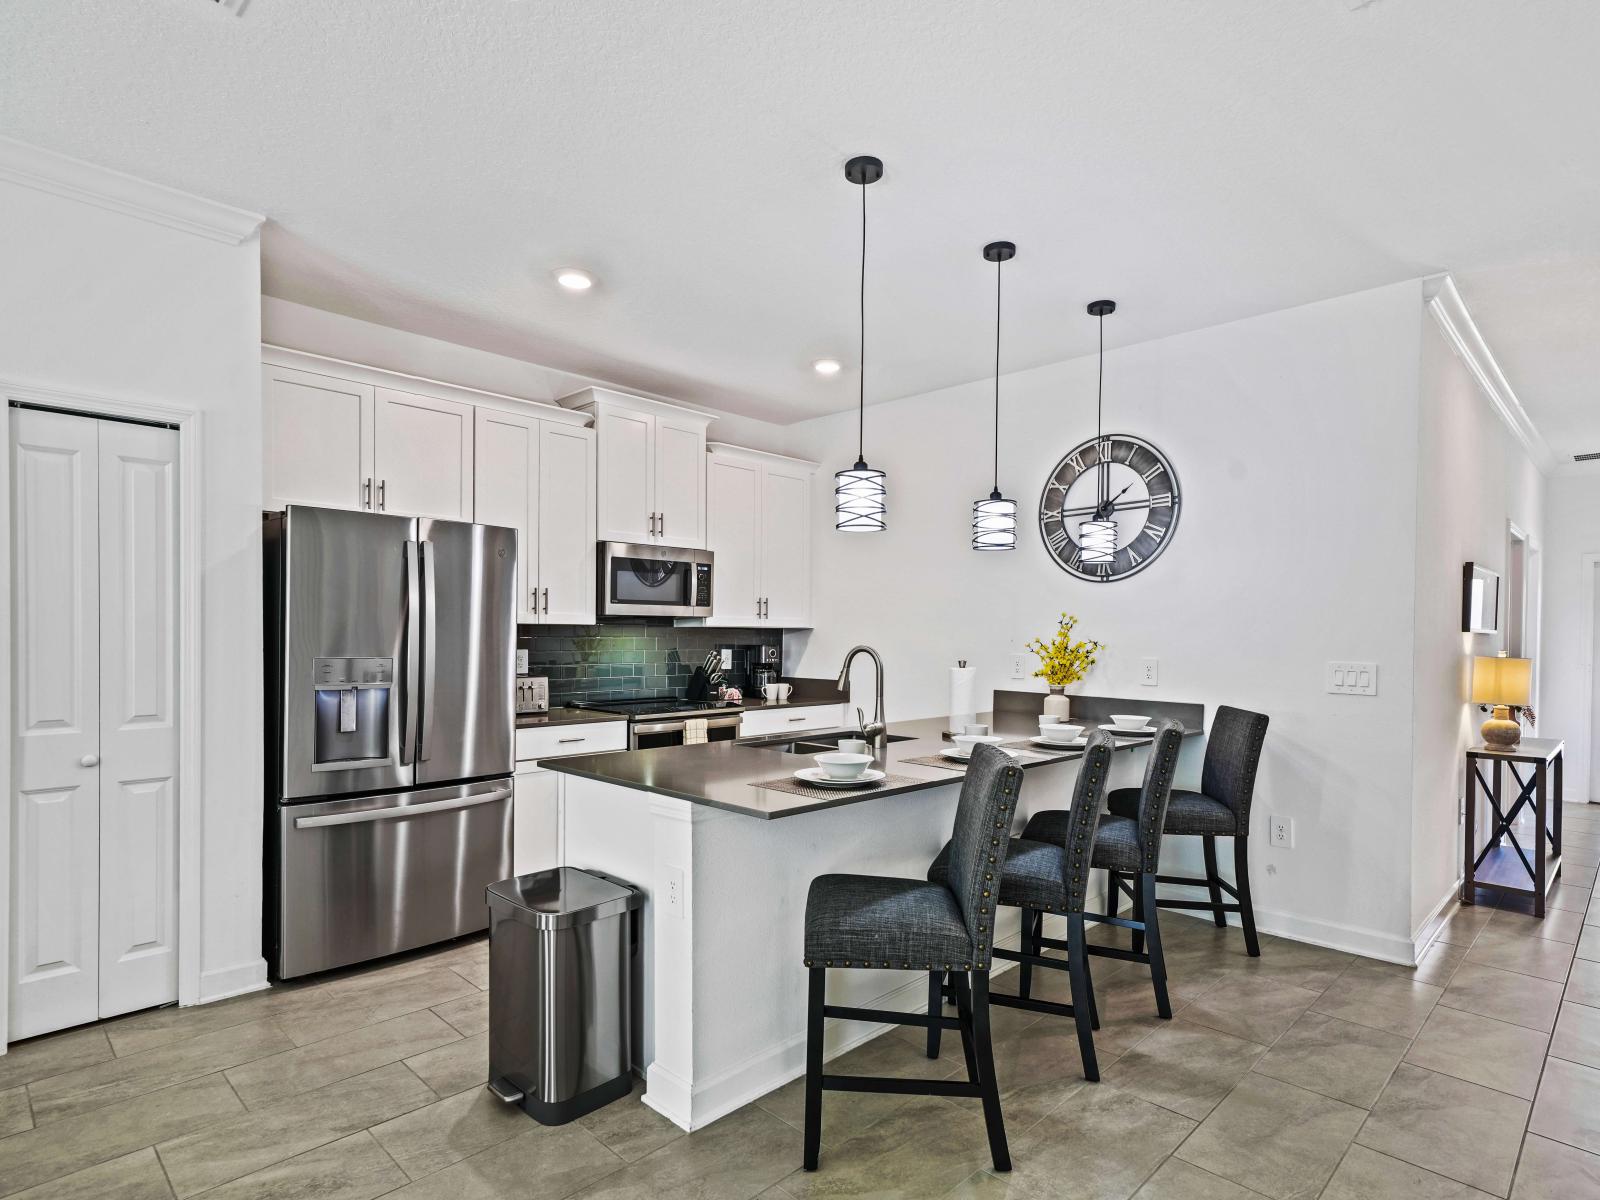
(409, 810)
(413, 692)
(430, 641)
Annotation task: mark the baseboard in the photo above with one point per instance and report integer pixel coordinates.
(1353, 939)
(1425, 934)
(222, 982)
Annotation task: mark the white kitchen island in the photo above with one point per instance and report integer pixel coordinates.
(726, 866)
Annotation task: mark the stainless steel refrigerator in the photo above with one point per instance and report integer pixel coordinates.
(391, 645)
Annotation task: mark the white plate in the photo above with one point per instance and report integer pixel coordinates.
(1074, 744)
(956, 754)
(816, 777)
(1125, 729)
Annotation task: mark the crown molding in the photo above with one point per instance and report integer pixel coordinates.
(46, 171)
(1461, 331)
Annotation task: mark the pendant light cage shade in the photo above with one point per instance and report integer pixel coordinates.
(1097, 541)
(994, 523)
(860, 498)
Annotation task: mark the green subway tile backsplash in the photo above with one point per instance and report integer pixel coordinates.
(626, 660)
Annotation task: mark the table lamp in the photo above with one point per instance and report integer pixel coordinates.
(1503, 683)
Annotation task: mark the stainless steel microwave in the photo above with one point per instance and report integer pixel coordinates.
(653, 581)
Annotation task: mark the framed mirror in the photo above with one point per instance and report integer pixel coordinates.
(1480, 599)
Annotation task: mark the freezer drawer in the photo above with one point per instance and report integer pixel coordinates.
(358, 879)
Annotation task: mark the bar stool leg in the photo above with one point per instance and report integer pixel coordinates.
(1030, 945)
(813, 1131)
(1083, 1014)
(1088, 982)
(979, 1013)
(1218, 917)
(1247, 912)
(958, 983)
(1139, 911)
(1152, 929)
(935, 1009)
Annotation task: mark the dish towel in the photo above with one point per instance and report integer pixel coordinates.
(694, 731)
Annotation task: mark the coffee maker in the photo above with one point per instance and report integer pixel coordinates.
(764, 676)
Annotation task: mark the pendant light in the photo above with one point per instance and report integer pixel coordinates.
(859, 493)
(994, 520)
(1097, 537)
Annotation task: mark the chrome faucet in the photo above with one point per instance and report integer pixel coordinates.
(876, 731)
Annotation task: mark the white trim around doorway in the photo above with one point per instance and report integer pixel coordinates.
(1586, 652)
(188, 424)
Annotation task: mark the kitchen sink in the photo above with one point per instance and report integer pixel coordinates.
(819, 743)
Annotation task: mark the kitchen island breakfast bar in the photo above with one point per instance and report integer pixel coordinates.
(726, 865)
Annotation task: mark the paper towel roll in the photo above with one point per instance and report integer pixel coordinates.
(963, 710)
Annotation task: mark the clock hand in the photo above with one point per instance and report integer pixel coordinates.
(1093, 509)
(1107, 507)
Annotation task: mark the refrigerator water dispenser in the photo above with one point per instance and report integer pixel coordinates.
(352, 712)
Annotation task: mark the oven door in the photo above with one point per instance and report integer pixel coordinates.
(375, 875)
(653, 581)
(649, 735)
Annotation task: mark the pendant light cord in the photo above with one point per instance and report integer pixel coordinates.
(861, 375)
(997, 377)
(1103, 490)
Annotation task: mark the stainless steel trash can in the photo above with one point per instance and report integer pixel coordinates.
(562, 948)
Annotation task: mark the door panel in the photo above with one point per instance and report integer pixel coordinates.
(423, 456)
(318, 434)
(627, 476)
(505, 475)
(681, 483)
(138, 717)
(566, 524)
(55, 733)
(469, 651)
(733, 525)
(535, 821)
(786, 546)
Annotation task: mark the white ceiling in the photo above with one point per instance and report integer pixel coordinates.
(426, 163)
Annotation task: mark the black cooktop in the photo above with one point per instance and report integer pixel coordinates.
(657, 706)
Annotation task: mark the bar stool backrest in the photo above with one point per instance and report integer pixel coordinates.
(1233, 751)
(1156, 790)
(1088, 794)
(978, 843)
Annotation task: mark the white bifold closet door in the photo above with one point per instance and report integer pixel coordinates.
(94, 732)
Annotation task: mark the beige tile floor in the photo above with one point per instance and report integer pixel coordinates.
(1303, 1073)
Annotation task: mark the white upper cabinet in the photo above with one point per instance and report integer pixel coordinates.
(759, 528)
(423, 456)
(566, 524)
(538, 477)
(652, 469)
(319, 438)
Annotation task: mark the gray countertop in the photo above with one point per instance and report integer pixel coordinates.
(723, 774)
(565, 716)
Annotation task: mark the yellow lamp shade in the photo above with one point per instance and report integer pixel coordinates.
(1501, 680)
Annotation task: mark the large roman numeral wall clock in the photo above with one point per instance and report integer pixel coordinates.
(1109, 508)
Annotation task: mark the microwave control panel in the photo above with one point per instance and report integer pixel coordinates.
(702, 585)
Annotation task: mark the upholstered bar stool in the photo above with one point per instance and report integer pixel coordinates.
(871, 921)
(1128, 848)
(1221, 808)
(1053, 877)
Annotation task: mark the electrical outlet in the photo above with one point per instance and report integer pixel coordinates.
(1019, 666)
(674, 890)
(727, 658)
(1353, 678)
(1282, 832)
(1150, 671)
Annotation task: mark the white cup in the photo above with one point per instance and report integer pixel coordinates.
(853, 746)
(776, 693)
(975, 730)
(1048, 719)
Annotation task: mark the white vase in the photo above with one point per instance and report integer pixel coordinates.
(1058, 704)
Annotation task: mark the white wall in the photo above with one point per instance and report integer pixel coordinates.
(97, 301)
(1295, 439)
(1572, 530)
(1473, 477)
(300, 327)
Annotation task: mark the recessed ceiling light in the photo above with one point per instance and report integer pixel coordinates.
(574, 280)
(826, 366)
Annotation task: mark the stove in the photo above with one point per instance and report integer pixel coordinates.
(660, 706)
(662, 720)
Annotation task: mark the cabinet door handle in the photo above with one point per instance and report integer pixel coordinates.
(662, 523)
(547, 602)
(383, 485)
(533, 600)
(652, 524)
(366, 493)
(569, 741)
(792, 720)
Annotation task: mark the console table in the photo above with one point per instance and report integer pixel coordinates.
(1504, 864)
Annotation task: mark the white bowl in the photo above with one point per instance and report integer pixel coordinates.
(1129, 720)
(966, 741)
(837, 765)
(1061, 733)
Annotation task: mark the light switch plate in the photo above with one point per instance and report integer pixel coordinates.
(727, 658)
(1353, 678)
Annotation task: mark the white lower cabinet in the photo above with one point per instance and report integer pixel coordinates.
(760, 722)
(535, 819)
(94, 746)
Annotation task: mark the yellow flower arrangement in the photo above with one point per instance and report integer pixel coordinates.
(1063, 661)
